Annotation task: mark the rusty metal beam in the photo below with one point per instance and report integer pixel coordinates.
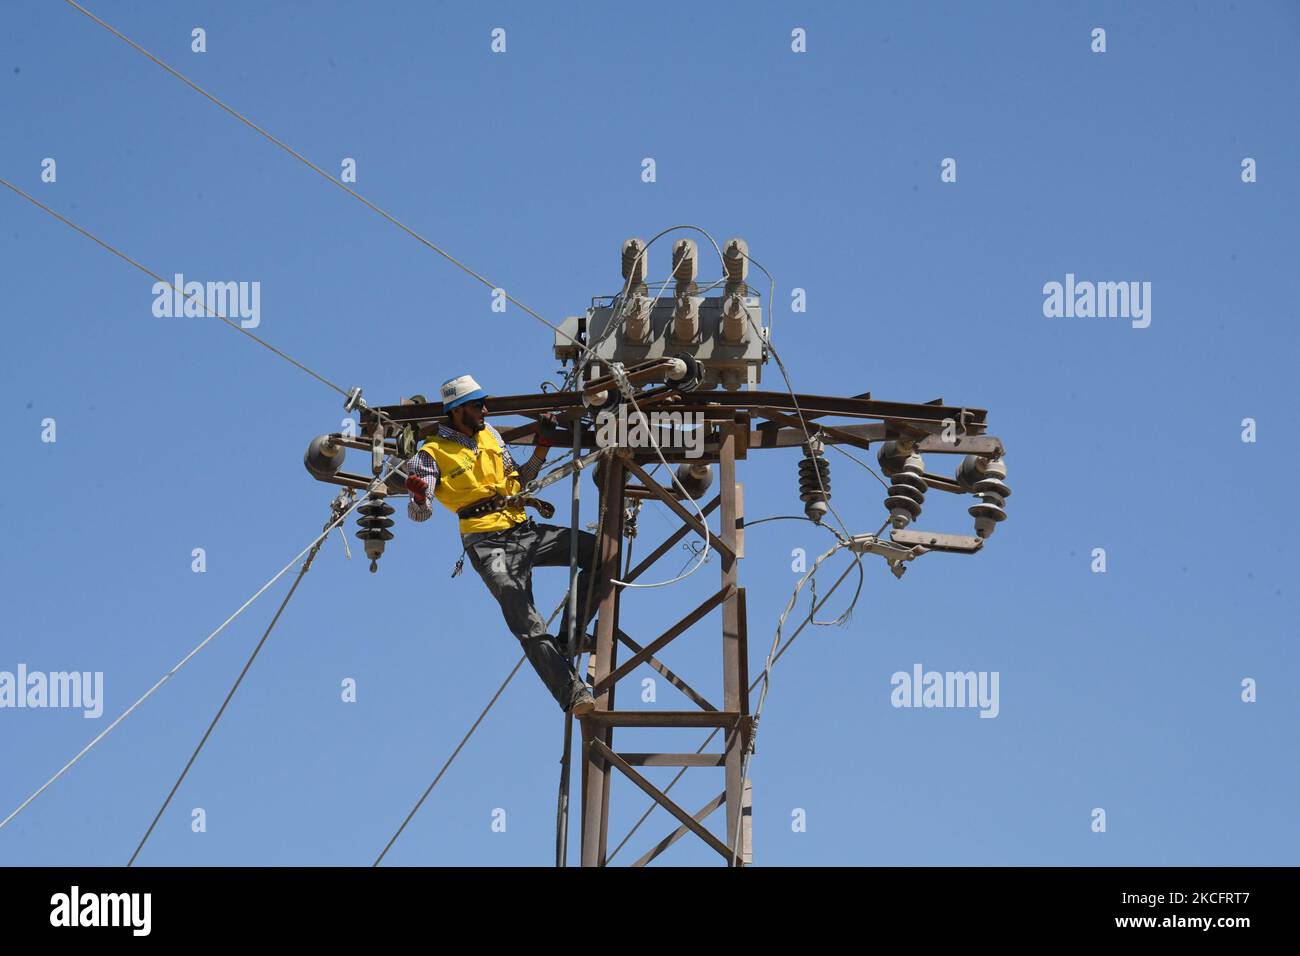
(812, 614)
(985, 445)
(660, 642)
(676, 507)
(695, 697)
(844, 436)
(674, 760)
(636, 491)
(756, 402)
(732, 516)
(943, 483)
(772, 426)
(392, 486)
(663, 718)
(938, 541)
(680, 832)
(661, 798)
(744, 649)
(671, 540)
(595, 789)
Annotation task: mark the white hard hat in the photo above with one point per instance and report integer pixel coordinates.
(458, 391)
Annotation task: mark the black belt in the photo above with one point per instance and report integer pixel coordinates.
(488, 506)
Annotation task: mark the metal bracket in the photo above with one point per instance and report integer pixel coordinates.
(937, 541)
(892, 553)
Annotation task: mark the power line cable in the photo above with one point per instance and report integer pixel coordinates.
(239, 680)
(149, 272)
(680, 773)
(444, 254)
(186, 659)
(312, 166)
(460, 746)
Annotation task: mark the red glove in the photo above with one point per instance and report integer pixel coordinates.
(418, 488)
(544, 437)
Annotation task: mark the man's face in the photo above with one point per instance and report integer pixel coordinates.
(471, 416)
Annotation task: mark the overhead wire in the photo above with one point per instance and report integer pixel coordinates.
(312, 548)
(616, 321)
(852, 457)
(355, 194)
(843, 618)
(769, 663)
(713, 733)
(429, 244)
(432, 246)
(620, 300)
(454, 754)
(767, 669)
(460, 746)
(312, 166)
(469, 733)
(626, 389)
(229, 696)
(620, 378)
(624, 386)
(187, 658)
(149, 272)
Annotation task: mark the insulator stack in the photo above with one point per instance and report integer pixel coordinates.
(686, 262)
(374, 523)
(906, 471)
(735, 315)
(686, 310)
(636, 320)
(814, 483)
(987, 480)
(686, 318)
(906, 496)
(735, 262)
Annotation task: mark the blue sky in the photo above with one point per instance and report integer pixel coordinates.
(1119, 690)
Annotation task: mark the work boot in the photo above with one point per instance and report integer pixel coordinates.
(583, 704)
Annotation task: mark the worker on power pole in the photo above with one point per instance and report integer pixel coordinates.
(467, 467)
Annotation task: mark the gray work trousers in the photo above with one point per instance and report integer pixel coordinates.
(505, 560)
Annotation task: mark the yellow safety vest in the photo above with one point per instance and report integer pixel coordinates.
(465, 478)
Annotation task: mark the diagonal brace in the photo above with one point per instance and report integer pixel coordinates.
(672, 678)
(680, 832)
(671, 540)
(659, 797)
(678, 509)
(660, 642)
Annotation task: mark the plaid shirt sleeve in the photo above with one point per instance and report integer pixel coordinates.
(421, 478)
(529, 471)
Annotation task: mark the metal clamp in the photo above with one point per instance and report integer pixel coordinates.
(354, 400)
